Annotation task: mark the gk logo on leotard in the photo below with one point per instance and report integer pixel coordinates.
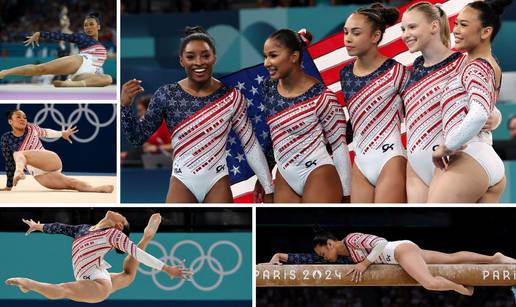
(386, 147)
(310, 163)
(50, 114)
(197, 265)
(177, 170)
(219, 168)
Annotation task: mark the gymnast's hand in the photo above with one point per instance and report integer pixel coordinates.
(178, 271)
(492, 121)
(441, 156)
(33, 226)
(278, 259)
(130, 89)
(358, 269)
(31, 40)
(68, 133)
(259, 195)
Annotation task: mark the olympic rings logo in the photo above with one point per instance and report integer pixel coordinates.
(50, 112)
(197, 264)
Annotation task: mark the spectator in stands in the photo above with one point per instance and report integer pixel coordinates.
(511, 125)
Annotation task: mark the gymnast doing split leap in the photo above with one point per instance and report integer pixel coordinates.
(93, 282)
(22, 150)
(84, 68)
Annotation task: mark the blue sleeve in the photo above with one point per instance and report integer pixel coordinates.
(266, 142)
(137, 130)
(82, 40)
(63, 229)
(10, 165)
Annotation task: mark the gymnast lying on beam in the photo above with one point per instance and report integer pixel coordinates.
(365, 249)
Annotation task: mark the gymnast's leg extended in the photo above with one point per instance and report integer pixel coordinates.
(123, 279)
(410, 258)
(85, 80)
(62, 66)
(51, 164)
(85, 291)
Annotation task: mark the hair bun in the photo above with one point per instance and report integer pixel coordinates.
(389, 14)
(305, 36)
(94, 15)
(498, 6)
(194, 30)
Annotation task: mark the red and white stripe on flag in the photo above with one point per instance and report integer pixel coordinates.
(330, 54)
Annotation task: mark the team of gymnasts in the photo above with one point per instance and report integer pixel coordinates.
(446, 99)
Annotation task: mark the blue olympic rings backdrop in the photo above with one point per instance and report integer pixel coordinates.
(222, 263)
(94, 146)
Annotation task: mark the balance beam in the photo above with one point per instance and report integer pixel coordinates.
(381, 275)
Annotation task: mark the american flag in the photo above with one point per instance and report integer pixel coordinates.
(323, 60)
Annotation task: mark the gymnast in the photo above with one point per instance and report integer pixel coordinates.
(366, 249)
(85, 68)
(471, 170)
(199, 112)
(93, 282)
(304, 119)
(22, 150)
(371, 85)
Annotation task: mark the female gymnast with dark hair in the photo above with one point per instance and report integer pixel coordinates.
(371, 85)
(304, 118)
(91, 243)
(471, 170)
(22, 150)
(366, 249)
(84, 68)
(199, 111)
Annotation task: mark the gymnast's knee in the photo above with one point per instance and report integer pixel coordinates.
(431, 284)
(41, 69)
(106, 80)
(19, 155)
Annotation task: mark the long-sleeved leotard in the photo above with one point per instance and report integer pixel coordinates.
(301, 127)
(467, 103)
(30, 140)
(89, 47)
(90, 247)
(373, 248)
(376, 110)
(199, 128)
(422, 98)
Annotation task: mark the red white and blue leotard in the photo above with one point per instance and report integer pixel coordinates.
(90, 247)
(376, 110)
(422, 98)
(93, 52)
(199, 127)
(467, 103)
(30, 140)
(375, 249)
(301, 127)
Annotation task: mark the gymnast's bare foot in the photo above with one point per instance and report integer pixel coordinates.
(17, 177)
(68, 83)
(2, 74)
(469, 291)
(108, 188)
(22, 283)
(501, 258)
(152, 227)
